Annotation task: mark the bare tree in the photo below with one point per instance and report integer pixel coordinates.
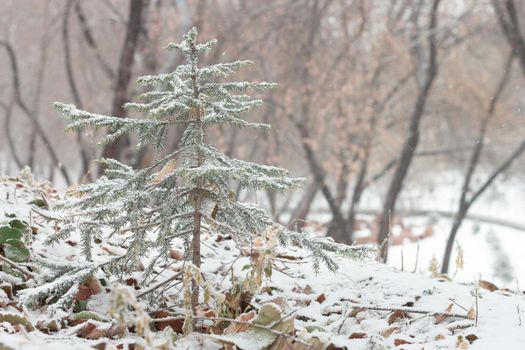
(506, 13)
(468, 195)
(427, 73)
(30, 113)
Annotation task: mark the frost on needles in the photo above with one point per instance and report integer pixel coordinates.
(187, 192)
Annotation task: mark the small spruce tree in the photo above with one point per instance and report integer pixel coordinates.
(188, 191)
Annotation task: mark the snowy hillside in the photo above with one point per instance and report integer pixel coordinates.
(365, 305)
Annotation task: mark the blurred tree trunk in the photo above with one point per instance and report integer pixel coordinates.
(507, 15)
(428, 74)
(467, 197)
(134, 24)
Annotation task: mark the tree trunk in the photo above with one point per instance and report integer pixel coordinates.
(114, 149)
(464, 202)
(458, 220)
(411, 143)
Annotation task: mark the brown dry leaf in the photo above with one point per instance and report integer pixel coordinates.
(176, 254)
(86, 329)
(439, 337)
(334, 347)
(389, 331)
(176, 325)
(471, 314)
(132, 282)
(281, 302)
(441, 317)
(84, 293)
(164, 172)
(488, 285)
(94, 286)
(112, 332)
(239, 327)
(398, 342)
(110, 251)
(356, 311)
(358, 336)
(396, 315)
(471, 338)
(209, 314)
(282, 343)
(321, 298)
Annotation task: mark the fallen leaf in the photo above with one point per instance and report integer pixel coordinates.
(396, 315)
(308, 290)
(112, 332)
(357, 336)
(356, 311)
(471, 338)
(398, 342)
(175, 324)
(281, 302)
(389, 331)
(71, 243)
(321, 298)
(86, 329)
(268, 314)
(488, 285)
(84, 293)
(441, 317)
(132, 282)
(334, 347)
(94, 286)
(176, 254)
(239, 327)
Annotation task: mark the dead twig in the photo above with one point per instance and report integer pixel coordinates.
(158, 285)
(16, 266)
(408, 310)
(247, 323)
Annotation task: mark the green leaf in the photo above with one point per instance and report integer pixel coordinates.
(16, 320)
(39, 202)
(80, 305)
(16, 251)
(87, 315)
(268, 314)
(252, 339)
(9, 233)
(268, 270)
(19, 224)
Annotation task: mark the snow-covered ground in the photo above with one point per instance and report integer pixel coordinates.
(492, 252)
(365, 305)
